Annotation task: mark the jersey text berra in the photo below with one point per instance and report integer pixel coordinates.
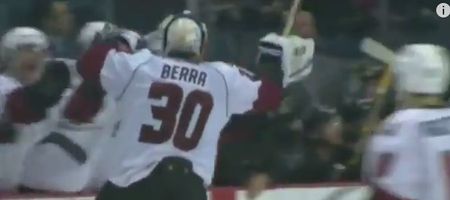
(185, 74)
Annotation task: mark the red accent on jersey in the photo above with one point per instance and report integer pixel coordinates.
(383, 195)
(167, 115)
(195, 98)
(88, 99)
(384, 164)
(223, 194)
(19, 111)
(91, 63)
(446, 166)
(269, 96)
(85, 103)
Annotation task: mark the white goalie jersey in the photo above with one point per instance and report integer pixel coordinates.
(409, 157)
(172, 107)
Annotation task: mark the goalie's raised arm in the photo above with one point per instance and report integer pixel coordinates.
(294, 54)
(281, 61)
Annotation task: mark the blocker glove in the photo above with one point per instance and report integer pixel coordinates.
(294, 54)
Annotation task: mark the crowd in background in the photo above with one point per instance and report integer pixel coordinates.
(312, 137)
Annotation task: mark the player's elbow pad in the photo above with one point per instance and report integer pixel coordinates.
(91, 63)
(85, 103)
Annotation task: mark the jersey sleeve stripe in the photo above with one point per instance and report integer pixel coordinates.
(269, 96)
(71, 148)
(226, 89)
(91, 63)
(85, 102)
(130, 80)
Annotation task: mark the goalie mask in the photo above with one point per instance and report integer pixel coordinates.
(183, 34)
(23, 50)
(295, 53)
(422, 69)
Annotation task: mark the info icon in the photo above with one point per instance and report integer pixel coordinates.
(443, 10)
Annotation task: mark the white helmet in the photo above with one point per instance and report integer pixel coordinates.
(88, 32)
(154, 39)
(19, 38)
(422, 69)
(184, 34)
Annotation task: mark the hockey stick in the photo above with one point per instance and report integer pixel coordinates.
(286, 31)
(379, 52)
(291, 17)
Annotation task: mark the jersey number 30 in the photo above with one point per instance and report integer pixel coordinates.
(168, 116)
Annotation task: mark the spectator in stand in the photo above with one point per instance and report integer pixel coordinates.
(239, 25)
(242, 151)
(312, 155)
(144, 15)
(55, 18)
(305, 25)
(340, 25)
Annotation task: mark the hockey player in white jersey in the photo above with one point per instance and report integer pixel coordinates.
(23, 50)
(24, 80)
(172, 108)
(408, 158)
(78, 138)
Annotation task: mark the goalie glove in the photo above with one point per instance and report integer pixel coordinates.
(132, 38)
(294, 53)
(121, 39)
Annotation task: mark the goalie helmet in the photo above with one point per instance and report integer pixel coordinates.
(154, 39)
(422, 69)
(182, 33)
(20, 38)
